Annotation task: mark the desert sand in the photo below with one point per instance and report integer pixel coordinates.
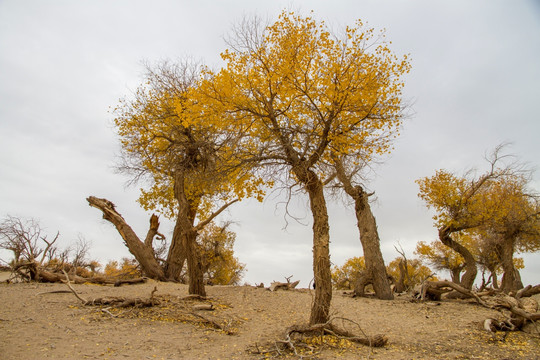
(38, 322)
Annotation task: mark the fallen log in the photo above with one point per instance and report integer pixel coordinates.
(53, 277)
(120, 302)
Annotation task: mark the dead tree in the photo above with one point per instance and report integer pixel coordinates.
(30, 247)
(143, 251)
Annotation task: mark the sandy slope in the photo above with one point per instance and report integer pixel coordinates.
(38, 324)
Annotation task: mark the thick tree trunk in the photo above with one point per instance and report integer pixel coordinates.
(320, 310)
(467, 280)
(494, 280)
(195, 268)
(369, 237)
(511, 280)
(176, 256)
(186, 237)
(143, 254)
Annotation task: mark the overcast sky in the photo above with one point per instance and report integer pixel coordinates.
(474, 84)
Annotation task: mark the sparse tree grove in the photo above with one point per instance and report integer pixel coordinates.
(297, 106)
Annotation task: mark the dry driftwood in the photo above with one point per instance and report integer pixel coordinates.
(44, 275)
(275, 285)
(521, 306)
(283, 286)
(114, 300)
(203, 307)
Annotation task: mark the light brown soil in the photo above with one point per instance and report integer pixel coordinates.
(38, 324)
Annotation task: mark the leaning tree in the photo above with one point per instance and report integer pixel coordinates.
(189, 161)
(348, 169)
(299, 94)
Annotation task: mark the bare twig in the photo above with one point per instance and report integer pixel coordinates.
(83, 300)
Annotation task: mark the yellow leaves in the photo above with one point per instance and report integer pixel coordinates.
(298, 78)
(128, 269)
(417, 272)
(497, 202)
(217, 256)
(343, 277)
(439, 255)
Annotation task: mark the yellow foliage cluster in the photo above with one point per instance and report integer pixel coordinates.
(298, 87)
(127, 269)
(417, 272)
(343, 276)
(217, 256)
(168, 138)
(485, 212)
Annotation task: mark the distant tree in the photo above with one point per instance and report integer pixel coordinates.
(514, 226)
(299, 94)
(343, 277)
(442, 258)
(220, 266)
(127, 269)
(415, 273)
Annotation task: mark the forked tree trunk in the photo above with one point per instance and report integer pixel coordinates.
(195, 268)
(511, 280)
(467, 280)
(143, 253)
(369, 237)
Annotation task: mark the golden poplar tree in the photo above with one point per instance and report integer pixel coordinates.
(300, 94)
(497, 204)
(187, 158)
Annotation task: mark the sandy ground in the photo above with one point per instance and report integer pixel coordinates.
(38, 323)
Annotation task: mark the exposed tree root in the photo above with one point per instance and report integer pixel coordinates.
(331, 329)
(307, 341)
(517, 310)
